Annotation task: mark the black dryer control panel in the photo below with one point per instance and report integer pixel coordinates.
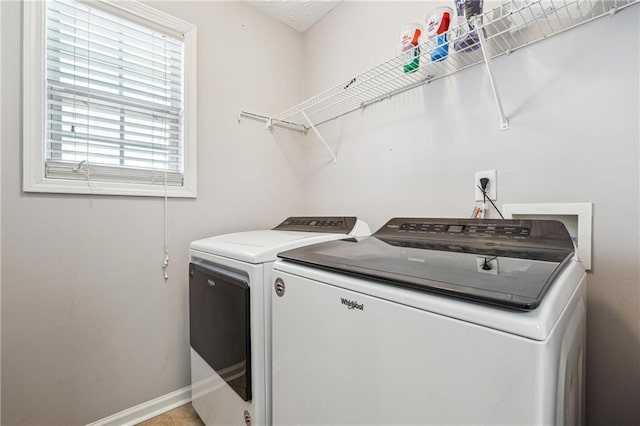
(325, 224)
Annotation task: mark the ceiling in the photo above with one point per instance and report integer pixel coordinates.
(298, 14)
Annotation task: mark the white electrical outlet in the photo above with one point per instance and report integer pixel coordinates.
(492, 186)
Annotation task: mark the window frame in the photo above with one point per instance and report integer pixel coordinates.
(35, 93)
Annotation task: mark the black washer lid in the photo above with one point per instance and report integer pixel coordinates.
(446, 256)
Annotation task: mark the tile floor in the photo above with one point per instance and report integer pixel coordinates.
(184, 415)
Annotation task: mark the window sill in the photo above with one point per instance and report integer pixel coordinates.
(108, 188)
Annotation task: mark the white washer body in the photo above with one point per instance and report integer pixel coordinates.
(251, 253)
(347, 350)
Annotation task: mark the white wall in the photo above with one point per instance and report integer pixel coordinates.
(573, 106)
(89, 327)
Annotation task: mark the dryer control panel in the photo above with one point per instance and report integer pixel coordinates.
(325, 224)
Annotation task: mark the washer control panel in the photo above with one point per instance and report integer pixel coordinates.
(462, 229)
(515, 233)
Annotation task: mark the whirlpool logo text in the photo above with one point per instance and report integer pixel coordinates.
(352, 304)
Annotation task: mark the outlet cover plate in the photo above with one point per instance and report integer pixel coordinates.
(492, 186)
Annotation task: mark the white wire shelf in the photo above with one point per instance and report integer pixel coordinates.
(502, 30)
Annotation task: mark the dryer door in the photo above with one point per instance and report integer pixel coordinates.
(219, 322)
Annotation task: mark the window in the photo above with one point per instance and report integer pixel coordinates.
(109, 98)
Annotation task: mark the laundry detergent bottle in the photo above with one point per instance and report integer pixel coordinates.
(437, 38)
(467, 34)
(410, 39)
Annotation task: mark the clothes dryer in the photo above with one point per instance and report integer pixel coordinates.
(230, 315)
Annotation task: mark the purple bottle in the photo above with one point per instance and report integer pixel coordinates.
(467, 37)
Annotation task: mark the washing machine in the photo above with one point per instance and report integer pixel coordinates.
(432, 322)
(230, 315)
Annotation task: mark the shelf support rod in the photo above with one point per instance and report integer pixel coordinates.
(335, 159)
(270, 122)
(504, 121)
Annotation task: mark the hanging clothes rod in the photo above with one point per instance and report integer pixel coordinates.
(270, 122)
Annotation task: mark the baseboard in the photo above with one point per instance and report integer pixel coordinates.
(147, 410)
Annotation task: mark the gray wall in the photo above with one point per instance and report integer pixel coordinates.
(0, 216)
(573, 103)
(89, 326)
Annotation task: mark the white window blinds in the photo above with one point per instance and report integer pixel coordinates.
(115, 98)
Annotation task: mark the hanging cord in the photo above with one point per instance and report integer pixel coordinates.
(487, 198)
(484, 200)
(165, 263)
(86, 168)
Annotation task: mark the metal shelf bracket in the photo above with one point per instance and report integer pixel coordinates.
(270, 122)
(335, 159)
(504, 121)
